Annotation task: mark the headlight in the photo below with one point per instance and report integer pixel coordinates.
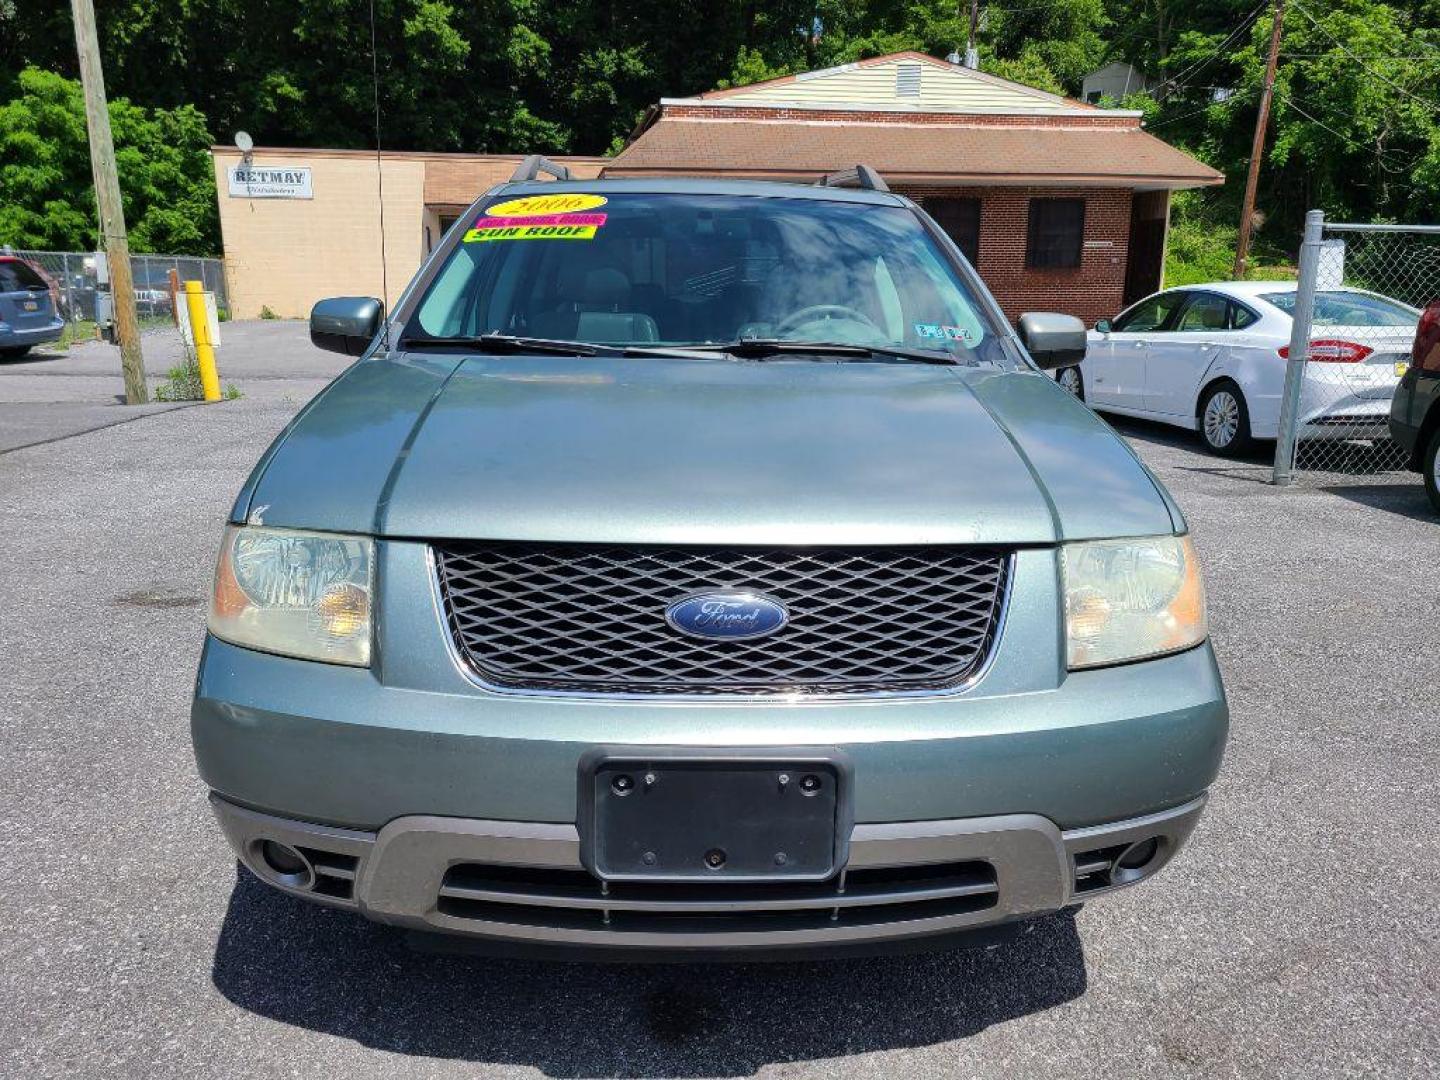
(302, 594)
(1129, 599)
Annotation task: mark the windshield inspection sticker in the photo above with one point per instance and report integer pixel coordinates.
(936, 332)
(532, 205)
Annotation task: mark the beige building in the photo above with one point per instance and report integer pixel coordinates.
(300, 225)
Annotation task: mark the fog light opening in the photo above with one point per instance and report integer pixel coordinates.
(1136, 861)
(284, 865)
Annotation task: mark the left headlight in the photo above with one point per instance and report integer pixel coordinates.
(301, 594)
(1131, 599)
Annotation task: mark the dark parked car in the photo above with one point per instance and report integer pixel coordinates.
(28, 315)
(703, 566)
(1415, 411)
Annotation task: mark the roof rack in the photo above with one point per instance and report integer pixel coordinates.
(861, 176)
(534, 165)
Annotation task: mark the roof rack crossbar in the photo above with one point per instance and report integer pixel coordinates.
(861, 176)
(534, 165)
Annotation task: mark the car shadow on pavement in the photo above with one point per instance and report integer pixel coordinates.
(1255, 465)
(1405, 497)
(334, 973)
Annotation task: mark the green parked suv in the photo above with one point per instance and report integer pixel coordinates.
(703, 567)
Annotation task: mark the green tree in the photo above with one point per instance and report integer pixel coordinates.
(46, 194)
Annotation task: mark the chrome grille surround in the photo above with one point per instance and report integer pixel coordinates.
(590, 619)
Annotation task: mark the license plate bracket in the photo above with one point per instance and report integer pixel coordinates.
(681, 815)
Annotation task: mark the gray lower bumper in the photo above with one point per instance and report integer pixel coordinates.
(524, 883)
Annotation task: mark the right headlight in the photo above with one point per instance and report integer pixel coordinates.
(1131, 599)
(295, 593)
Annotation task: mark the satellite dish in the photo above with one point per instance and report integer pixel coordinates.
(244, 142)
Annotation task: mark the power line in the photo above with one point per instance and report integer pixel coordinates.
(1238, 95)
(1387, 81)
(1384, 155)
(1432, 57)
(1181, 80)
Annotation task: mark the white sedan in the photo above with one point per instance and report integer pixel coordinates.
(1211, 358)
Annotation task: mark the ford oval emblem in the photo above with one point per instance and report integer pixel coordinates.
(727, 616)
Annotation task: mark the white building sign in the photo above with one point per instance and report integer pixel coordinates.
(270, 182)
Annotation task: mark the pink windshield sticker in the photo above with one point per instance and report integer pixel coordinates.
(540, 219)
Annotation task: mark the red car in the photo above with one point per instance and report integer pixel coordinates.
(1415, 412)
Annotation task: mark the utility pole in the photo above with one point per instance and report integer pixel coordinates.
(972, 53)
(1257, 147)
(107, 195)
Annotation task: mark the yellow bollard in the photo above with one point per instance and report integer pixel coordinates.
(200, 329)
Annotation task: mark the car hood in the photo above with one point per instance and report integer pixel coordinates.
(682, 451)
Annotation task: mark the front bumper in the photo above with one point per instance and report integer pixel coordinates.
(523, 884)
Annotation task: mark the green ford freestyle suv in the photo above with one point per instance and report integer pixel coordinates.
(703, 567)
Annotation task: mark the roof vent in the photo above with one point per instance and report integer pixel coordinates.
(907, 80)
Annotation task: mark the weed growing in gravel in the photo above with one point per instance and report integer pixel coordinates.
(182, 383)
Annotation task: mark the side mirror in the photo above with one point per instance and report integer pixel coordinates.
(345, 324)
(1052, 340)
(1102, 326)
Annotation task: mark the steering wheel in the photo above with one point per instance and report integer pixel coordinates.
(824, 311)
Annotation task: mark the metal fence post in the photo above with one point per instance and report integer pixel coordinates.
(1284, 471)
(70, 313)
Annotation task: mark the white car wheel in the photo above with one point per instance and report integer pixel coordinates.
(1225, 421)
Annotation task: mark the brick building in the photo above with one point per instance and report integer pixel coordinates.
(1061, 206)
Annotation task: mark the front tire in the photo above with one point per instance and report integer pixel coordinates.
(14, 352)
(1225, 420)
(1430, 466)
(1069, 379)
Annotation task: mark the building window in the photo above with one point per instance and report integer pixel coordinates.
(960, 219)
(907, 80)
(1056, 234)
(1093, 96)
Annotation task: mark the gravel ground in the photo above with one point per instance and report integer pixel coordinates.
(1296, 936)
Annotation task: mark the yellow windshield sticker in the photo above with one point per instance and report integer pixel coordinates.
(568, 203)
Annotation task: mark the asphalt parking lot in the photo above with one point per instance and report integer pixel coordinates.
(1297, 935)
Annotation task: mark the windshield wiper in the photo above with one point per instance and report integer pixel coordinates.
(765, 348)
(510, 343)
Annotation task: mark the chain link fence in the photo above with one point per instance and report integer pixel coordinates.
(74, 276)
(1359, 297)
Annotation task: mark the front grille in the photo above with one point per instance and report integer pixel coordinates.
(573, 899)
(591, 619)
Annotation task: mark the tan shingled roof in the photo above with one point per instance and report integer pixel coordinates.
(980, 153)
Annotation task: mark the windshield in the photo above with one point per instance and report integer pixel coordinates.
(657, 269)
(1341, 308)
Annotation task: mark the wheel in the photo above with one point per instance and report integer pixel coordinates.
(1070, 379)
(1430, 465)
(1224, 420)
(14, 352)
